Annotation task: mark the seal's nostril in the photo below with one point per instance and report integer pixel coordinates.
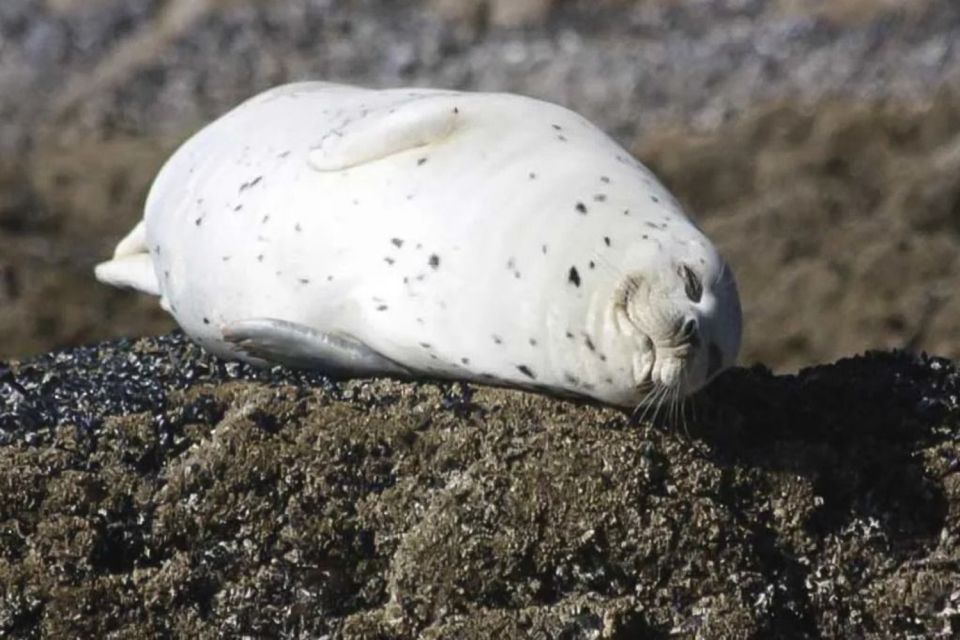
(689, 333)
(714, 360)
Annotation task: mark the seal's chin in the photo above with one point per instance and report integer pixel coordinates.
(678, 370)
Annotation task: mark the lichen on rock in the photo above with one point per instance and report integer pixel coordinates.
(155, 488)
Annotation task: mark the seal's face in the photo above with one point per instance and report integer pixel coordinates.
(685, 317)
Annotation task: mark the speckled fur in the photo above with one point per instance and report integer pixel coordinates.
(494, 250)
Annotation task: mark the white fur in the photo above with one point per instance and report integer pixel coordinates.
(292, 207)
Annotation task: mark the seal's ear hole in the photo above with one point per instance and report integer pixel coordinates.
(691, 283)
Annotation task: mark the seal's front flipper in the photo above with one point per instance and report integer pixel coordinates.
(422, 120)
(296, 345)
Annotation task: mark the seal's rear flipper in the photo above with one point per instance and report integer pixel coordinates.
(296, 345)
(133, 243)
(134, 271)
(416, 123)
(131, 265)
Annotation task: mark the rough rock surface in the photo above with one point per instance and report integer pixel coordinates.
(147, 488)
(816, 141)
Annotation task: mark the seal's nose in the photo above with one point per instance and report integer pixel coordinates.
(690, 334)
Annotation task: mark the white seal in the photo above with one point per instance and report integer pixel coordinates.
(416, 232)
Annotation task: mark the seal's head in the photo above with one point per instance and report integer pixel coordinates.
(683, 311)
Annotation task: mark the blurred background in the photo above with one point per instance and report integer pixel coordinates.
(816, 141)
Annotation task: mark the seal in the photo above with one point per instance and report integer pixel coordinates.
(430, 233)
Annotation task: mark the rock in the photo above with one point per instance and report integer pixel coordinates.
(149, 488)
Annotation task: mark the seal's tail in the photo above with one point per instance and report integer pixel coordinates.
(131, 265)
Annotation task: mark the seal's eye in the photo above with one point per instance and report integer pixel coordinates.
(691, 283)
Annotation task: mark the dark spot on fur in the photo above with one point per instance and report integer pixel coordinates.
(606, 240)
(497, 339)
(570, 335)
(206, 321)
(525, 370)
(604, 179)
(600, 197)
(225, 258)
(389, 260)
(284, 154)
(238, 207)
(465, 360)
(558, 127)
(655, 198)
(544, 249)
(592, 264)
(304, 280)
(533, 176)
(581, 208)
(198, 221)
(382, 307)
(264, 220)
(421, 162)
(562, 138)
(456, 110)
(626, 212)
(570, 378)
(434, 261)
(297, 227)
(397, 242)
(587, 341)
(260, 258)
(574, 276)
(533, 342)
(425, 345)
(252, 183)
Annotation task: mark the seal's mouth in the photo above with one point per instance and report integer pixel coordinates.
(666, 314)
(681, 361)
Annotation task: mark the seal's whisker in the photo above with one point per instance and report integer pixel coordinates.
(662, 397)
(652, 402)
(681, 414)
